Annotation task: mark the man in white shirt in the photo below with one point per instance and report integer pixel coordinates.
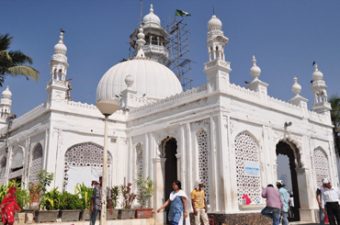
(330, 198)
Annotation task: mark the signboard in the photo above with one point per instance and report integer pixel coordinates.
(252, 168)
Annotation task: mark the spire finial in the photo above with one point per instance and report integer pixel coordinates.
(140, 42)
(253, 60)
(61, 35)
(151, 7)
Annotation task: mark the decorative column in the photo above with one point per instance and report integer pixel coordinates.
(214, 187)
(158, 198)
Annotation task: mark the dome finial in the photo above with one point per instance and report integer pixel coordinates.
(296, 87)
(317, 74)
(255, 71)
(140, 42)
(151, 8)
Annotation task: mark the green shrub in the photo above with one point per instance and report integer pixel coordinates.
(85, 195)
(51, 200)
(144, 191)
(70, 201)
(114, 196)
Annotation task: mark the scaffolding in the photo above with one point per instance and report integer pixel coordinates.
(178, 47)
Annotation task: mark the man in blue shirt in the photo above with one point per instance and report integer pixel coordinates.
(284, 195)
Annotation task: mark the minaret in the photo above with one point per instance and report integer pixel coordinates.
(5, 106)
(297, 99)
(217, 69)
(319, 87)
(156, 38)
(58, 87)
(256, 84)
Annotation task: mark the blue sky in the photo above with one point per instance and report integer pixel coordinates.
(285, 35)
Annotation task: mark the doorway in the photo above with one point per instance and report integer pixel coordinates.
(170, 166)
(286, 171)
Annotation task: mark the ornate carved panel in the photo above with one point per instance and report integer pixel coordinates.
(247, 162)
(36, 163)
(139, 160)
(321, 165)
(203, 159)
(85, 154)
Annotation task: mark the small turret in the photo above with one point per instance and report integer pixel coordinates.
(217, 69)
(5, 106)
(58, 87)
(319, 88)
(156, 38)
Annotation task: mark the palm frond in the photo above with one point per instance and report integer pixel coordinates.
(27, 71)
(5, 41)
(19, 57)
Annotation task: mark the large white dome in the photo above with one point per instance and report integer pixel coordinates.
(150, 79)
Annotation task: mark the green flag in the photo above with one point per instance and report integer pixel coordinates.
(182, 13)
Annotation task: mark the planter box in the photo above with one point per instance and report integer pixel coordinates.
(85, 215)
(21, 217)
(70, 215)
(46, 216)
(125, 214)
(144, 213)
(112, 216)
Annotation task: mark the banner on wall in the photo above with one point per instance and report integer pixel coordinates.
(252, 168)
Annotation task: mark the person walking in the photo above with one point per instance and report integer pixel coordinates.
(9, 206)
(285, 197)
(199, 204)
(273, 203)
(178, 205)
(330, 198)
(321, 210)
(96, 201)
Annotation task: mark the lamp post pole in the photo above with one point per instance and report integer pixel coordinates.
(107, 107)
(104, 176)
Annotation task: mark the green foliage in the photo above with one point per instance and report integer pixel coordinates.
(70, 201)
(23, 197)
(50, 200)
(3, 191)
(128, 195)
(45, 178)
(14, 62)
(114, 196)
(85, 195)
(145, 189)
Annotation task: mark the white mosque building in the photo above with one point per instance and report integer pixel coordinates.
(235, 139)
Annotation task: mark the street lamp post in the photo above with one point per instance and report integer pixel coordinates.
(107, 108)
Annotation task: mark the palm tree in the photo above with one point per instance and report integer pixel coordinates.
(335, 116)
(14, 63)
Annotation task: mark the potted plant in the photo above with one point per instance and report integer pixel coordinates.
(70, 207)
(23, 199)
(128, 198)
(144, 193)
(85, 195)
(34, 193)
(112, 212)
(49, 204)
